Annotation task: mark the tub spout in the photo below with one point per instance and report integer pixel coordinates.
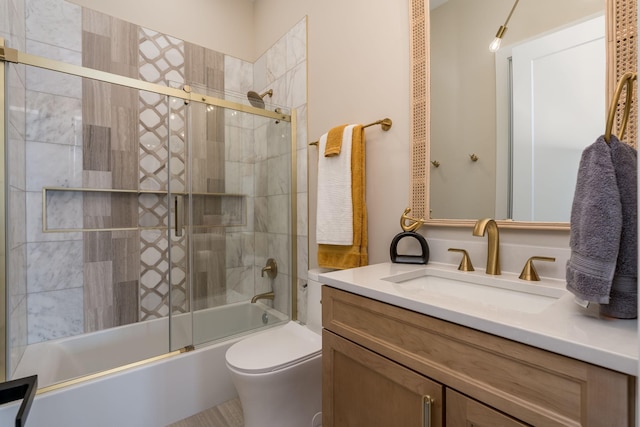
(267, 295)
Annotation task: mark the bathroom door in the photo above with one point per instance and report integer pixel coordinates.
(559, 82)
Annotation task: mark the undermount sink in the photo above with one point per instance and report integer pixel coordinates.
(479, 290)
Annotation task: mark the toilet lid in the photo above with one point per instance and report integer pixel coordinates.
(274, 349)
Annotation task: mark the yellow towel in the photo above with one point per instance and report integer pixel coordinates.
(334, 141)
(341, 257)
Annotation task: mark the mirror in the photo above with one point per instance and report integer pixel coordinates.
(505, 142)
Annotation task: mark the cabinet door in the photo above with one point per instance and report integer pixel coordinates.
(465, 412)
(361, 388)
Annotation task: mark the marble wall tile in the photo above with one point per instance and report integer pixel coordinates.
(302, 214)
(54, 265)
(261, 171)
(17, 101)
(17, 334)
(261, 214)
(297, 90)
(302, 300)
(53, 165)
(303, 258)
(58, 53)
(54, 314)
(54, 22)
(279, 248)
(278, 214)
(15, 26)
(17, 226)
(238, 75)
(302, 138)
(16, 275)
(64, 211)
(260, 73)
(276, 60)
(278, 179)
(15, 168)
(5, 14)
(53, 118)
(282, 288)
(301, 172)
(54, 83)
(296, 40)
(240, 280)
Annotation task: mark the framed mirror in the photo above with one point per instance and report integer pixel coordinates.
(500, 134)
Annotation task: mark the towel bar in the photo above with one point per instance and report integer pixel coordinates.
(385, 124)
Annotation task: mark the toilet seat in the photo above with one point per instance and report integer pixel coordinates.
(275, 349)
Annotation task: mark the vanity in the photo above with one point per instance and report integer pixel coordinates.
(416, 345)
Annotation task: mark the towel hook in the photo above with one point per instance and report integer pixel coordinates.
(626, 80)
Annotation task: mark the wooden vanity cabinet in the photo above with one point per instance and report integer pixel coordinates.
(380, 361)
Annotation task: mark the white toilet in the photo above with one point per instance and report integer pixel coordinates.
(278, 373)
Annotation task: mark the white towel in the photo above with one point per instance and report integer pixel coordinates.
(334, 223)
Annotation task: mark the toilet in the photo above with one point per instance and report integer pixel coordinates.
(278, 373)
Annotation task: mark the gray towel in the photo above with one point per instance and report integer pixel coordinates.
(603, 236)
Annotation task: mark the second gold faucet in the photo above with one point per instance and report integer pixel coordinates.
(493, 252)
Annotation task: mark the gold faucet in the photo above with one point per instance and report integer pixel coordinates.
(493, 253)
(267, 295)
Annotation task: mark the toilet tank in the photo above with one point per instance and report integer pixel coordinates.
(314, 306)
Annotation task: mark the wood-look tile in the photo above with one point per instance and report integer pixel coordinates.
(194, 68)
(124, 133)
(96, 22)
(98, 294)
(96, 179)
(227, 414)
(98, 318)
(125, 301)
(97, 246)
(96, 51)
(214, 65)
(124, 210)
(126, 256)
(124, 43)
(97, 210)
(96, 148)
(124, 167)
(96, 103)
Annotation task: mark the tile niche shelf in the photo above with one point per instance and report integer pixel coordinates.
(99, 209)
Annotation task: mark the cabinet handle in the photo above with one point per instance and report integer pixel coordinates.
(426, 410)
(178, 212)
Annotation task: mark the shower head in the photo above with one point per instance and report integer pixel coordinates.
(256, 99)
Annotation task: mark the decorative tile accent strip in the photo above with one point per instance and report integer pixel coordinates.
(162, 167)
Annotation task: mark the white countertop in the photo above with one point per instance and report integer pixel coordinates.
(563, 327)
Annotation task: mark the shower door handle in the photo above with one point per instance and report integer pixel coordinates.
(179, 213)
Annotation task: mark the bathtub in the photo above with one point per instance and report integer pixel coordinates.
(152, 394)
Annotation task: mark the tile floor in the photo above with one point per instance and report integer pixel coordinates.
(227, 414)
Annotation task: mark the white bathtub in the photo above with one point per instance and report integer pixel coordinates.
(153, 394)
